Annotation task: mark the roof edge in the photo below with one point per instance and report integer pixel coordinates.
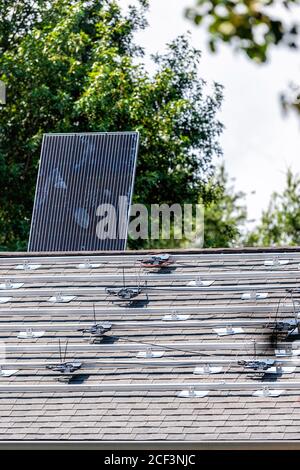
(150, 445)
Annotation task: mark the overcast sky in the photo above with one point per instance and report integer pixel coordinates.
(259, 144)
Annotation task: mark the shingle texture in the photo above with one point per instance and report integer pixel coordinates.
(146, 414)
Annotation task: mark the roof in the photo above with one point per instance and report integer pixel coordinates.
(118, 396)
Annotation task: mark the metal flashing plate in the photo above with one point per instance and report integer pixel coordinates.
(58, 299)
(276, 262)
(29, 334)
(175, 317)
(88, 266)
(200, 283)
(7, 372)
(27, 267)
(8, 285)
(266, 392)
(149, 354)
(192, 393)
(254, 296)
(228, 331)
(206, 370)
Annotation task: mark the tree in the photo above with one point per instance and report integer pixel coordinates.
(252, 27)
(280, 223)
(17, 18)
(76, 68)
(248, 25)
(225, 215)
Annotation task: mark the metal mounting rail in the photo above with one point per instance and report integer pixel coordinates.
(93, 277)
(118, 346)
(237, 288)
(50, 258)
(177, 254)
(145, 387)
(119, 363)
(242, 308)
(84, 291)
(128, 325)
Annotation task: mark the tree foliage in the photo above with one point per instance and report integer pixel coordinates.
(226, 214)
(280, 223)
(17, 18)
(74, 67)
(248, 25)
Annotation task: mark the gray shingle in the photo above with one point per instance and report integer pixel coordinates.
(143, 415)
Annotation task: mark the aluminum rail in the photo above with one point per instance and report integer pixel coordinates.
(113, 363)
(119, 347)
(127, 325)
(222, 288)
(149, 387)
(92, 277)
(84, 291)
(177, 256)
(242, 308)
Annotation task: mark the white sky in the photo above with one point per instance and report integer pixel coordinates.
(259, 144)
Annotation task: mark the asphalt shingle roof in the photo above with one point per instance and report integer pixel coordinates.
(138, 405)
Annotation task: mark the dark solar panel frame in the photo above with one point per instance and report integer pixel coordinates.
(77, 173)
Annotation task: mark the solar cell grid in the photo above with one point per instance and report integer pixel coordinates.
(78, 173)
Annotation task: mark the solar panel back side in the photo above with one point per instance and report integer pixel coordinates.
(77, 174)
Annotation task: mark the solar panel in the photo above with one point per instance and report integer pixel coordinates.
(77, 174)
(2, 93)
